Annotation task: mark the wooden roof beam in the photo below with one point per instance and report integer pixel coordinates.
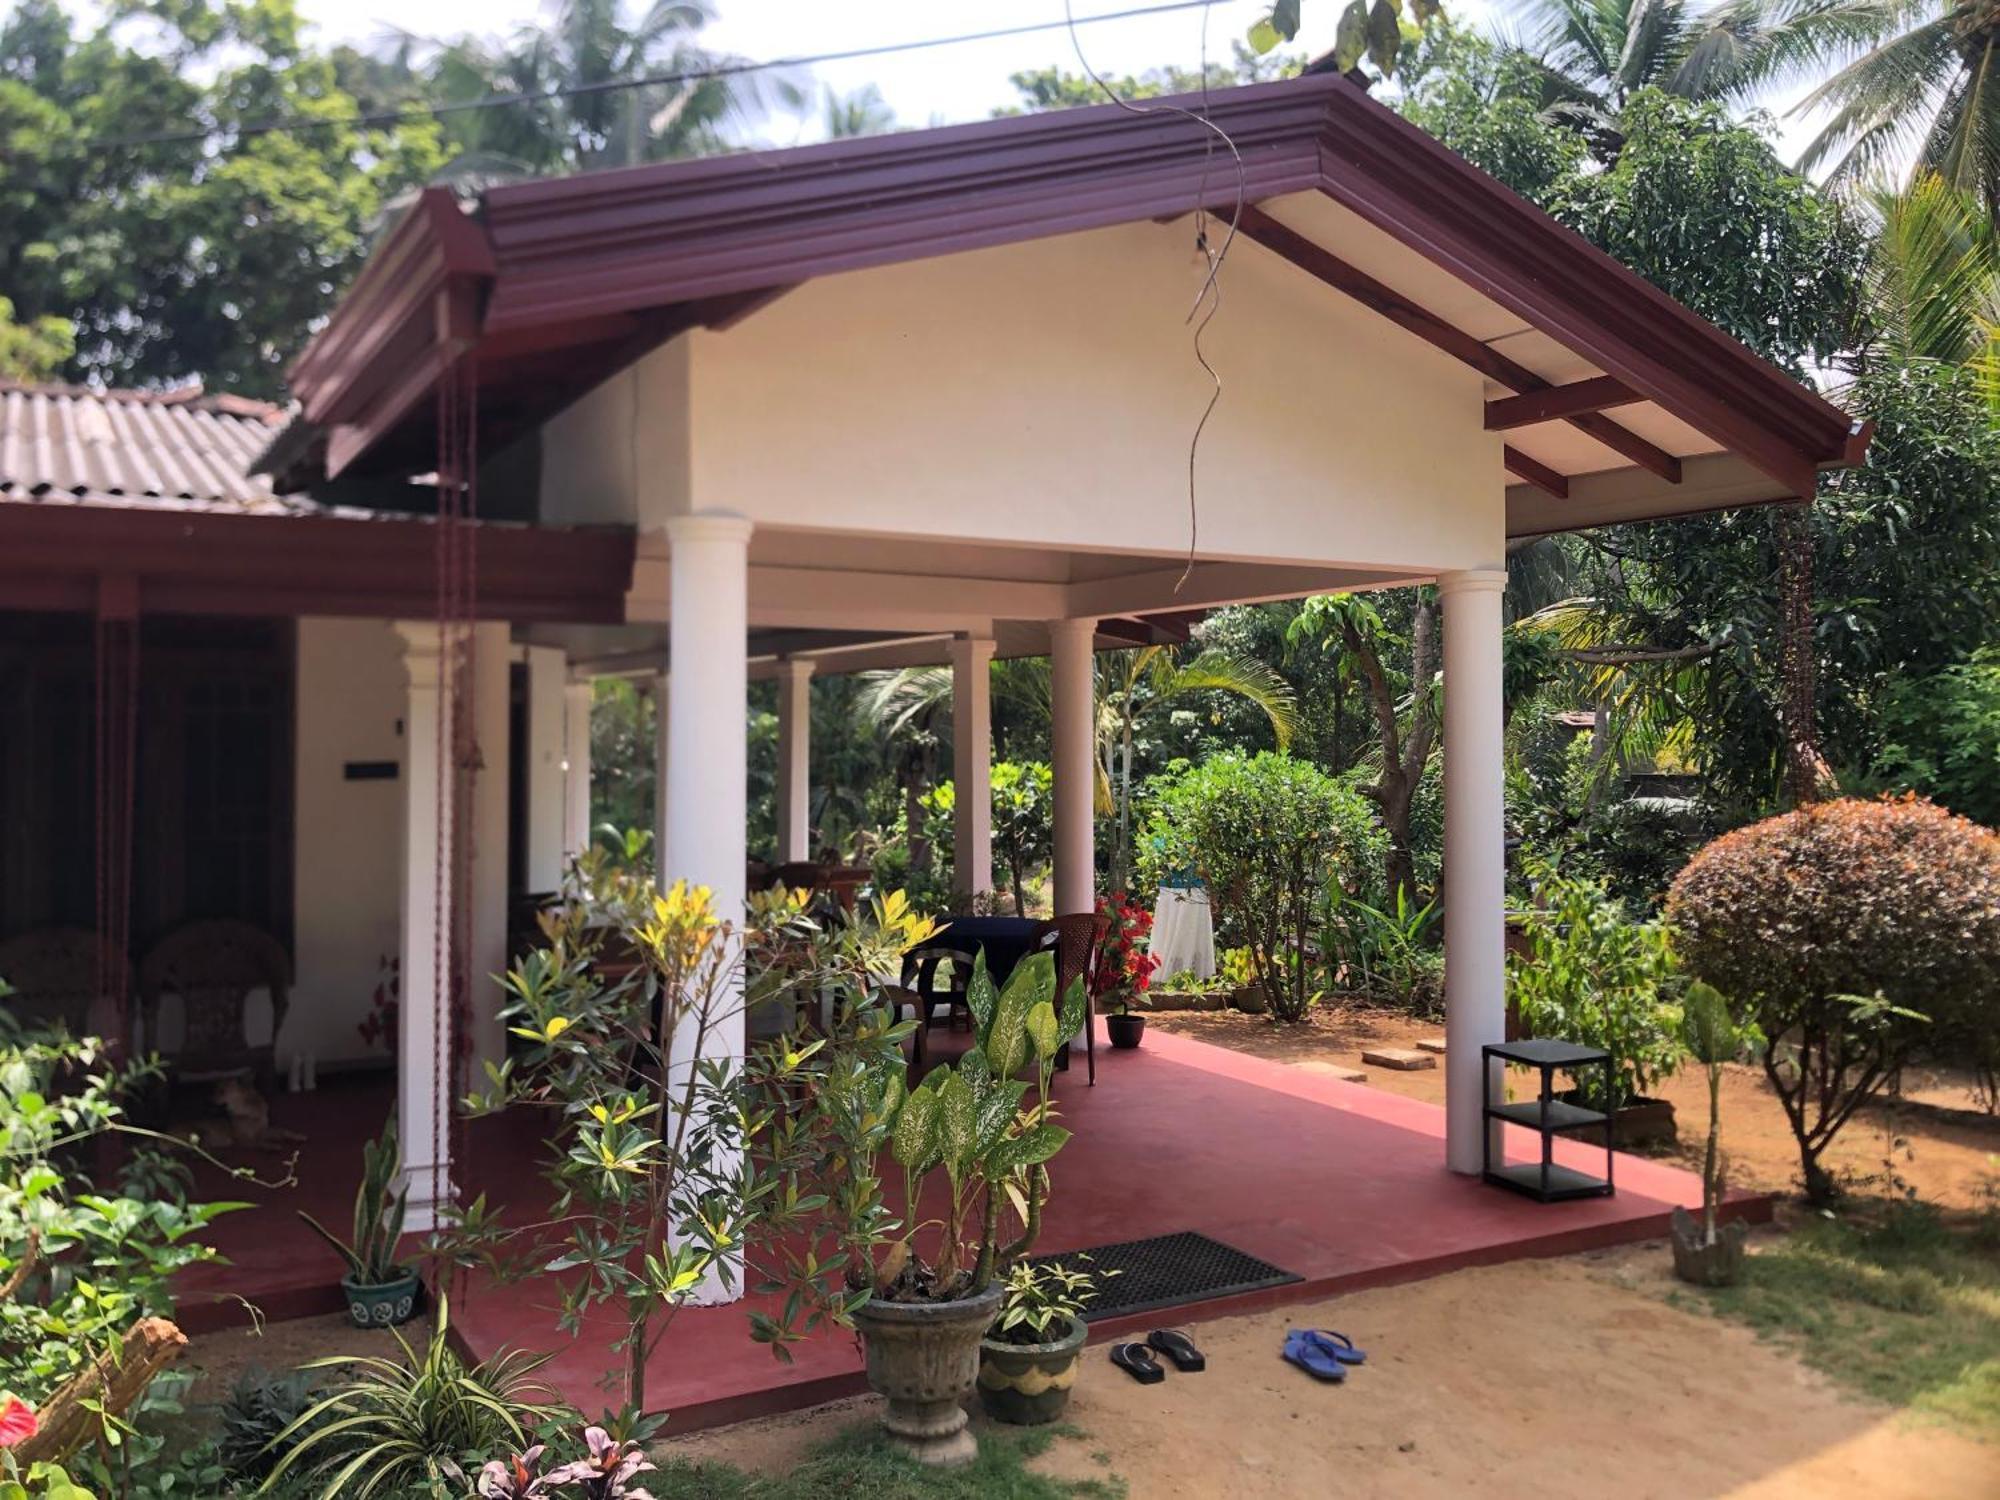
(1556, 402)
(1317, 261)
(1537, 473)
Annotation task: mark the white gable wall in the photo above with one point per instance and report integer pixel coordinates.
(1044, 393)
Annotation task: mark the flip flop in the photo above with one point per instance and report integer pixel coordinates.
(1179, 1348)
(1310, 1355)
(1137, 1361)
(1339, 1345)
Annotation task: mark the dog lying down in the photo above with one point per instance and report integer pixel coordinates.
(244, 1123)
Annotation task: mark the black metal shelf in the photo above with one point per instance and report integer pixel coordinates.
(1557, 1115)
(1545, 1180)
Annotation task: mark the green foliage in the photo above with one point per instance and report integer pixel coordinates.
(416, 1426)
(379, 1206)
(259, 1406)
(1714, 1037)
(179, 258)
(624, 752)
(1266, 834)
(1388, 955)
(1042, 1300)
(43, 1481)
(1942, 737)
(1593, 975)
(83, 1261)
(1797, 915)
(35, 350)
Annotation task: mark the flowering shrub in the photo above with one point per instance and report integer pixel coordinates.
(1850, 932)
(1124, 968)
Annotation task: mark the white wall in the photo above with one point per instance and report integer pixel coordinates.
(348, 834)
(1044, 393)
(545, 750)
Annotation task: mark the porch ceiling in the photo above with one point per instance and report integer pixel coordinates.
(1600, 381)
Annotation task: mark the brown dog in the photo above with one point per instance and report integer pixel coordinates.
(245, 1123)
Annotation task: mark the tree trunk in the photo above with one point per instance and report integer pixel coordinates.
(1807, 775)
(110, 1383)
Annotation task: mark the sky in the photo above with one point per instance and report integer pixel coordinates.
(943, 85)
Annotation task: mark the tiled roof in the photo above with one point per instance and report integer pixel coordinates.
(178, 449)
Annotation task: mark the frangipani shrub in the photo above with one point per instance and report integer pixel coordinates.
(1850, 932)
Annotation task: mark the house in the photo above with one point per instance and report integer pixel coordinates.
(925, 397)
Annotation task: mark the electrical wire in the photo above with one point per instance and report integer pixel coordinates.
(405, 114)
(1208, 300)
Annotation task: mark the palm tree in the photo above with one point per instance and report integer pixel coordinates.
(1933, 278)
(863, 112)
(1906, 80)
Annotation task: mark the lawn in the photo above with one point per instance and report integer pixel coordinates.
(1896, 1301)
(857, 1463)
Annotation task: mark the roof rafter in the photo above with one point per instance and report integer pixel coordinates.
(1558, 402)
(1316, 260)
(1537, 473)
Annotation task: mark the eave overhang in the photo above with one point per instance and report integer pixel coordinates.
(579, 276)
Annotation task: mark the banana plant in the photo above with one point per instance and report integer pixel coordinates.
(988, 1131)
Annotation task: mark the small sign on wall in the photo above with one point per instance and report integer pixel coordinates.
(370, 770)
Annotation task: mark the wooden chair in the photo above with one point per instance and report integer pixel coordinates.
(1076, 939)
(57, 975)
(214, 967)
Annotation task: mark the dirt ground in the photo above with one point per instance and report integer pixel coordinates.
(1950, 1152)
(216, 1359)
(1569, 1379)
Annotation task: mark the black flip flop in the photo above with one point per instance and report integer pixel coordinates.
(1179, 1348)
(1137, 1361)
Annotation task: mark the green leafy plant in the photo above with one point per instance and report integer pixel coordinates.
(1042, 1299)
(1265, 833)
(1388, 955)
(379, 1206)
(1714, 1038)
(1595, 976)
(418, 1426)
(259, 1406)
(1896, 900)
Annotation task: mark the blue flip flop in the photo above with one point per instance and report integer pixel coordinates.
(1311, 1355)
(1338, 1345)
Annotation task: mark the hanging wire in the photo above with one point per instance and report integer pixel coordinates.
(1208, 300)
(404, 114)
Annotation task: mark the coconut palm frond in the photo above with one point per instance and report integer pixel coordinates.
(1934, 273)
(893, 701)
(1217, 671)
(1884, 102)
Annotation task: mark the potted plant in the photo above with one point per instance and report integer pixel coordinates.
(1124, 970)
(1708, 1253)
(979, 1134)
(381, 1292)
(1029, 1359)
(1246, 990)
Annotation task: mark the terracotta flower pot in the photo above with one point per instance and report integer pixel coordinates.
(1029, 1384)
(923, 1358)
(1125, 1030)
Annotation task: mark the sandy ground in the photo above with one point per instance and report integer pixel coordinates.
(1569, 1380)
(216, 1359)
(1950, 1150)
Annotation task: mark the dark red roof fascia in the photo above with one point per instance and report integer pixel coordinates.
(1409, 185)
(414, 308)
(382, 567)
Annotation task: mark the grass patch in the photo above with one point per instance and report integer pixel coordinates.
(859, 1463)
(1893, 1302)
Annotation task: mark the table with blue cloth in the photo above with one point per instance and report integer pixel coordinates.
(1004, 940)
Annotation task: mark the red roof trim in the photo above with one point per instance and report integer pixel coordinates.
(581, 248)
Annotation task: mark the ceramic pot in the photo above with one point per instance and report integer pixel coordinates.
(923, 1358)
(1029, 1384)
(381, 1306)
(1125, 1030)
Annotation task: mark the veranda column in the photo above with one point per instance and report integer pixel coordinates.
(486, 1036)
(577, 695)
(426, 1143)
(662, 689)
(972, 764)
(707, 772)
(544, 753)
(794, 760)
(1074, 763)
(1475, 880)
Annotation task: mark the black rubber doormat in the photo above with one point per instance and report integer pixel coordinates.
(1166, 1271)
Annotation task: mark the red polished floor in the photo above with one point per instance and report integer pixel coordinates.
(1340, 1183)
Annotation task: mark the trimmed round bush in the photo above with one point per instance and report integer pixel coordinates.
(1851, 931)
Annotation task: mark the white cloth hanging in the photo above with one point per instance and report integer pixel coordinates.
(1183, 933)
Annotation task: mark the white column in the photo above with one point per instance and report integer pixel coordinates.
(662, 690)
(1475, 879)
(794, 760)
(972, 764)
(707, 782)
(545, 751)
(486, 1037)
(577, 696)
(420, 1122)
(1073, 762)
